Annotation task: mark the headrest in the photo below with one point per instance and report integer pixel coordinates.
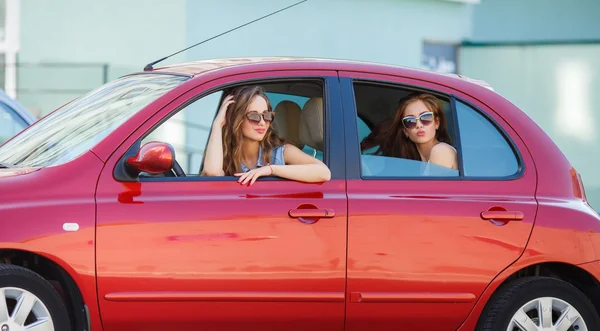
(287, 118)
(311, 123)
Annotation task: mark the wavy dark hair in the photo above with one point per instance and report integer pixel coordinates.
(389, 134)
(232, 130)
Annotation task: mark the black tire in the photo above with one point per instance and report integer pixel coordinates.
(15, 276)
(512, 296)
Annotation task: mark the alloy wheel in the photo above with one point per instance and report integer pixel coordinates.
(21, 310)
(547, 314)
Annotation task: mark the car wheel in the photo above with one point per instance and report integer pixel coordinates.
(539, 303)
(29, 302)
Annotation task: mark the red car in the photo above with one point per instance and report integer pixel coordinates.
(107, 224)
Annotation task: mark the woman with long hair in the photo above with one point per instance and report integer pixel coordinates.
(417, 132)
(242, 143)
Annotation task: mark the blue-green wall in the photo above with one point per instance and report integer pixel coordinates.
(536, 20)
(78, 36)
(387, 31)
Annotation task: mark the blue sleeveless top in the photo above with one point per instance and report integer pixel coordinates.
(276, 158)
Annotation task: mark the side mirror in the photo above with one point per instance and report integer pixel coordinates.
(153, 158)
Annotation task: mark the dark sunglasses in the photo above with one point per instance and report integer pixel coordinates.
(410, 122)
(255, 116)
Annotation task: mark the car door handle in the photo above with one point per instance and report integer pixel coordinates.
(502, 215)
(314, 213)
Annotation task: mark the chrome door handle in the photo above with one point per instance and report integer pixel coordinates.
(311, 213)
(502, 215)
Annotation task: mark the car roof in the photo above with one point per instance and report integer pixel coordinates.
(196, 68)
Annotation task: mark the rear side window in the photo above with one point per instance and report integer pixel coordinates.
(485, 151)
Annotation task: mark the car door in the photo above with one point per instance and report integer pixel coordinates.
(206, 253)
(424, 241)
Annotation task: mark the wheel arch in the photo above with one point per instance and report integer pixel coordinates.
(58, 276)
(574, 274)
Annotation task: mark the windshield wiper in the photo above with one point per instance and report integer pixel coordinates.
(6, 165)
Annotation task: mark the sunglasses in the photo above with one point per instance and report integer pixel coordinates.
(255, 116)
(410, 122)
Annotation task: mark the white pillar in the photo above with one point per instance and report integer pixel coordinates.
(10, 45)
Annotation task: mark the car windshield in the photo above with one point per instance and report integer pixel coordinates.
(67, 133)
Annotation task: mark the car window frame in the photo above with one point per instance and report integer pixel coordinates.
(333, 157)
(353, 152)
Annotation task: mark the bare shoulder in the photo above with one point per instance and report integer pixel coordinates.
(443, 149)
(444, 155)
(290, 149)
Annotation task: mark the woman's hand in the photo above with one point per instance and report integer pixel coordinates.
(253, 175)
(222, 113)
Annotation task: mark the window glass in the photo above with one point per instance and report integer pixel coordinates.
(485, 151)
(10, 124)
(276, 98)
(383, 166)
(363, 129)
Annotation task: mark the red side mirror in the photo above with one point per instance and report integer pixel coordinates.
(153, 158)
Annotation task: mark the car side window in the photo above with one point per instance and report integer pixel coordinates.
(298, 117)
(481, 148)
(376, 109)
(10, 124)
(485, 151)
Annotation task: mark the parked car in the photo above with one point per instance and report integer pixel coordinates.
(14, 117)
(106, 223)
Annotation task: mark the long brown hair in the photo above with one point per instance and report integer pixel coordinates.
(232, 130)
(390, 136)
